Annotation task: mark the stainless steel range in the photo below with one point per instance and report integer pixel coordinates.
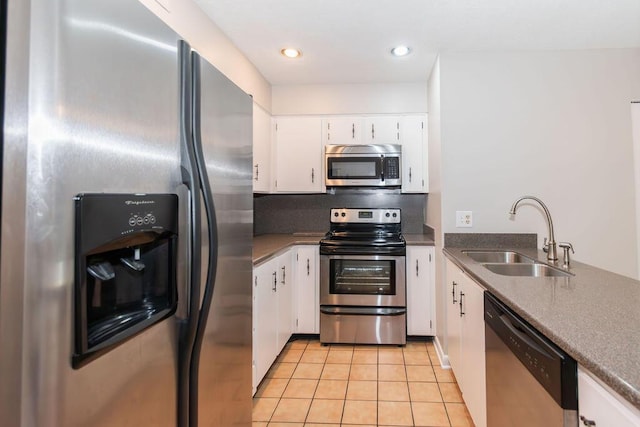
(362, 278)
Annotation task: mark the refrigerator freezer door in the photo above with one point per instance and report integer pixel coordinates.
(224, 376)
(102, 110)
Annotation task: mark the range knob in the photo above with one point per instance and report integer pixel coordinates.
(387, 215)
(395, 214)
(335, 214)
(343, 214)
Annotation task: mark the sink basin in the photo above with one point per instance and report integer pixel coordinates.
(527, 270)
(508, 257)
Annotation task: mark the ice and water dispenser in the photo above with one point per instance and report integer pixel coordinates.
(126, 260)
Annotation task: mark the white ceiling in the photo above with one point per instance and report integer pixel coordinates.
(348, 41)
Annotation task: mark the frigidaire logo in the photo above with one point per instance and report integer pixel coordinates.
(139, 202)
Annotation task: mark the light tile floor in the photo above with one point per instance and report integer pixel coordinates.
(311, 385)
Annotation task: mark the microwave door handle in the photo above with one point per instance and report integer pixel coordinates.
(382, 168)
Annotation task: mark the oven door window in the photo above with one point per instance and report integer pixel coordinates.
(363, 277)
(353, 167)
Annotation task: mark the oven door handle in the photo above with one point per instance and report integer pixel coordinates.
(366, 311)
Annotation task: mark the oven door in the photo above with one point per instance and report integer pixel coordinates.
(362, 280)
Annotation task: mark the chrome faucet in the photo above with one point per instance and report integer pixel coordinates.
(550, 244)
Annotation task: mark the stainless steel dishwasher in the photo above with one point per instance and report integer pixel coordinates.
(530, 381)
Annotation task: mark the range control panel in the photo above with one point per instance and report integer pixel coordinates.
(365, 215)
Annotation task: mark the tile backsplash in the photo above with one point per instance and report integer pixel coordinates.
(309, 213)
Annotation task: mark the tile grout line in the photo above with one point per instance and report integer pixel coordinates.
(325, 364)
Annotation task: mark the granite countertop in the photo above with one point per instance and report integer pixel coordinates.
(594, 316)
(418, 239)
(267, 245)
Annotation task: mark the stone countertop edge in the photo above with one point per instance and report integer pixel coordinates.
(266, 246)
(593, 315)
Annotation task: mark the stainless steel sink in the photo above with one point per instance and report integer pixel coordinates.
(507, 257)
(527, 270)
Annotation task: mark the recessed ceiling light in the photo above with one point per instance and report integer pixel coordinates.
(291, 52)
(400, 51)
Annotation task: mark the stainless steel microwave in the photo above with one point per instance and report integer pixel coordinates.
(371, 165)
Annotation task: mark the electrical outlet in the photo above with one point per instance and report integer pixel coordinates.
(464, 219)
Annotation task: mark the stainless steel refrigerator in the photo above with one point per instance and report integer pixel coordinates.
(101, 98)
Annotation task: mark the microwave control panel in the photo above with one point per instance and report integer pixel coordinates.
(392, 168)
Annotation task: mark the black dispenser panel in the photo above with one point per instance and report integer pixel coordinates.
(125, 277)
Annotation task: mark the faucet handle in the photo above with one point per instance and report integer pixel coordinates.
(545, 245)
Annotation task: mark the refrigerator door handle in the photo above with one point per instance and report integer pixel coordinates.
(212, 264)
(188, 322)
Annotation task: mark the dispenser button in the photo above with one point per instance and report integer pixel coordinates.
(132, 221)
(139, 221)
(146, 219)
(152, 219)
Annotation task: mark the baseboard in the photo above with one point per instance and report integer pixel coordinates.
(443, 358)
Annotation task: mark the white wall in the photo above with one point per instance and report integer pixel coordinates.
(635, 123)
(350, 98)
(433, 216)
(554, 124)
(188, 20)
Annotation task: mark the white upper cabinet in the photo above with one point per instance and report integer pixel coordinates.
(342, 130)
(414, 154)
(261, 150)
(382, 130)
(299, 155)
(298, 143)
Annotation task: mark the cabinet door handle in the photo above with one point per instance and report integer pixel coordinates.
(353, 131)
(373, 134)
(586, 421)
(417, 269)
(257, 172)
(308, 267)
(255, 281)
(461, 308)
(275, 282)
(284, 275)
(313, 175)
(453, 293)
(409, 174)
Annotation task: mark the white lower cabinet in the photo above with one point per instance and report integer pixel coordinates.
(602, 407)
(465, 340)
(272, 312)
(265, 310)
(420, 290)
(284, 292)
(306, 289)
